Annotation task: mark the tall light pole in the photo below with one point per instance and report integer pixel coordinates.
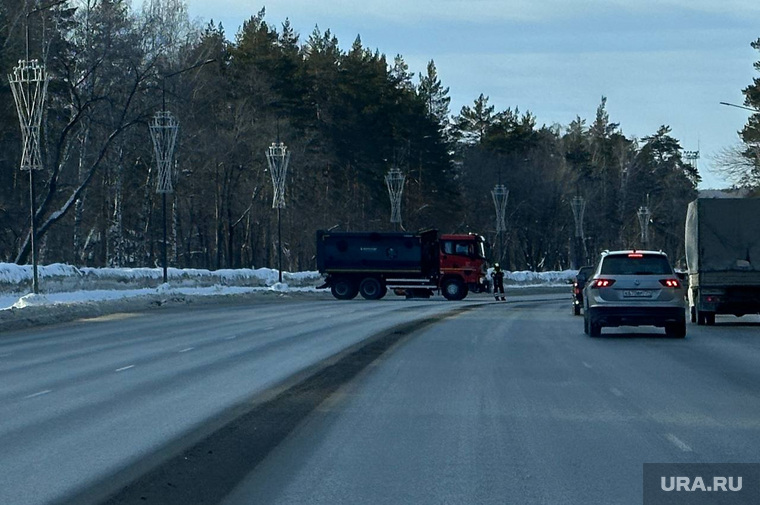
(644, 215)
(691, 157)
(278, 158)
(163, 132)
(500, 195)
(756, 146)
(394, 181)
(578, 204)
(29, 83)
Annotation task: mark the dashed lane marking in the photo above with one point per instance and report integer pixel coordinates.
(124, 368)
(616, 392)
(188, 349)
(40, 393)
(586, 365)
(678, 442)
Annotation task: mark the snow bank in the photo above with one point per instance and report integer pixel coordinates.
(57, 278)
(65, 284)
(538, 278)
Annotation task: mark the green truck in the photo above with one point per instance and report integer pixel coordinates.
(723, 257)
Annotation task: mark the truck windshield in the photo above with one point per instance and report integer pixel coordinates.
(464, 248)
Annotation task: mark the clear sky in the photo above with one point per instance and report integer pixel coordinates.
(657, 61)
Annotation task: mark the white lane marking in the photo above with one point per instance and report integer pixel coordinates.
(678, 442)
(39, 393)
(124, 368)
(6, 355)
(586, 364)
(270, 328)
(616, 392)
(188, 349)
(233, 337)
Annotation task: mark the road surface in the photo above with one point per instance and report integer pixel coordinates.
(475, 402)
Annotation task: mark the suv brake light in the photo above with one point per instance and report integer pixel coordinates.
(602, 283)
(670, 283)
(635, 255)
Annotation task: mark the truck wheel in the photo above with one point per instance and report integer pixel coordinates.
(576, 310)
(344, 289)
(710, 318)
(372, 289)
(693, 314)
(454, 289)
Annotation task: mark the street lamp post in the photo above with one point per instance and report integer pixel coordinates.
(578, 204)
(644, 215)
(394, 181)
(29, 83)
(163, 132)
(278, 158)
(691, 157)
(500, 195)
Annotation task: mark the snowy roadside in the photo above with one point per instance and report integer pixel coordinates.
(70, 293)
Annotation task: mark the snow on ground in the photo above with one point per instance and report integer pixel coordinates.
(66, 285)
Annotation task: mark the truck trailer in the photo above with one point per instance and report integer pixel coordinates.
(411, 264)
(723, 257)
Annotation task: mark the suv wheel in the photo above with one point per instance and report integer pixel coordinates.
(594, 328)
(676, 330)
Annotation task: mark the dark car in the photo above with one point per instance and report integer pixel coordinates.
(579, 282)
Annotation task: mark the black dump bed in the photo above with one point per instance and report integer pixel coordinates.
(414, 254)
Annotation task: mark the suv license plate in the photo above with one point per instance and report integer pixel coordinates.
(638, 293)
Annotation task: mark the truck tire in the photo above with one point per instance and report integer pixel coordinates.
(344, 289)
(372, 289)
(454, 289)
(710, 318)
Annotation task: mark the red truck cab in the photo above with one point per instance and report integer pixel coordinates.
(462, 256)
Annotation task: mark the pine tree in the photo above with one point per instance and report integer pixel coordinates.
(434, 95)
(472, 123)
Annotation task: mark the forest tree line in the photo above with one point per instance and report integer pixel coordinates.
(346, 116)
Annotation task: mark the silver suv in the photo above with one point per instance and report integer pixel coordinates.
(634, 288)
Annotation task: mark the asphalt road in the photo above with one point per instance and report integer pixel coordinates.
(515, 404)
(82, 401)
(469, 402)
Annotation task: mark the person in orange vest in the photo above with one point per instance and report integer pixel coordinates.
(498, 282)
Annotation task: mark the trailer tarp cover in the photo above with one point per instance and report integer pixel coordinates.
(723, 234)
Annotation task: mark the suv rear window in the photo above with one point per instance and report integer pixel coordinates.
(648, 264)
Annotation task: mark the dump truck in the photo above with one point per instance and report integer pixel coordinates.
(410, 264)
(723, 257)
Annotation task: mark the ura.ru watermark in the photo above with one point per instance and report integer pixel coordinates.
(701, 484)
